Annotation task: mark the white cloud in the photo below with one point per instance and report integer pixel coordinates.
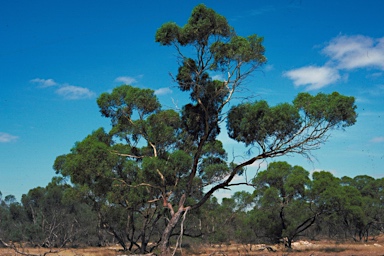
(43, 82)
(5, 137)
(71, 92)
(345, 53)
(350, 52)
(163, 91)
(377, 140)
(313, 77)
(126, 80)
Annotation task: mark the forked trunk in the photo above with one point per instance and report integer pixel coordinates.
(165, 248)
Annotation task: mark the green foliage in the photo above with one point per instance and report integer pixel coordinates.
(239, 49)
(290, 182)
(348, 203)
(203, 23)
(334, 108)
(258, 123)
(161, 128)
(282, 191)
(265, 221)
(90, 163)
(54, 219)
(124, 100)
(323, 181)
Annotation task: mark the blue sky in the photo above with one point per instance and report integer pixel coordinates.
(56, 57)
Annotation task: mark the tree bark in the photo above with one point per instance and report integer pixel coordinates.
(165, 249)
(164, 246)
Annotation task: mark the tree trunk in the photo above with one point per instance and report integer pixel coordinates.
(165, 249)
(144, 243)
(289, 243)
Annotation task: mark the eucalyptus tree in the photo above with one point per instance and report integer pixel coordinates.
(349, 209)
(370, 193)
(174, 157)
(11, 220)
(114, 187)
(283, 129)
(283, 192)
(54, 219)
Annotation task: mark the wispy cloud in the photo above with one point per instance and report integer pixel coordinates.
(126, 80)
(71, 92)
(375, 75)
(262, 10)
(268, 68)
(370, 94)
(350, 52)
(313, 77)
(377, 139)
(376, 91)
(6, 137)
(372, 113)
(43, 82)
(345, 53)
(163, 91)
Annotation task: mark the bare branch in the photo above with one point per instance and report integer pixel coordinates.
(126, 155)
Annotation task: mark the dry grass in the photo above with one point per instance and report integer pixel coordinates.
(327, 250)
(94, 251)
(318, 248)
(302, 248)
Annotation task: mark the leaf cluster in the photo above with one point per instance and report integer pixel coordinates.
(258, 122)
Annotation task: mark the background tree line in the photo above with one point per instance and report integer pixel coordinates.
(285, 204)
